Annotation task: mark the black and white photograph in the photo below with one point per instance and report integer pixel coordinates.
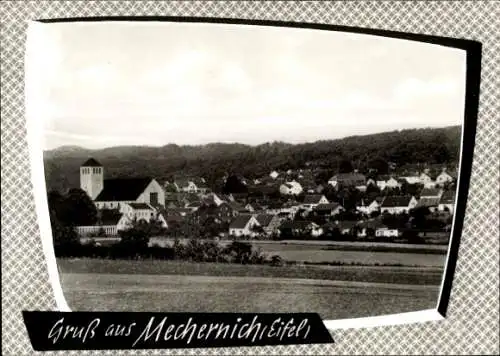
(212, 167)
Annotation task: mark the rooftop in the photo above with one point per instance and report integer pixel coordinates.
(91, 162)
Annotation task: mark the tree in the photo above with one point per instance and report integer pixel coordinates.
(380, 165)
(345, 166)
(138, 233)
(419, 217)
(77, 209)
(234, 185)
(64, 238)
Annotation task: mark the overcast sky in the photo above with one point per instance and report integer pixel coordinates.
(106, 84)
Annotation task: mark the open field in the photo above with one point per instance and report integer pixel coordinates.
(174, 293)
(396, 275)
(343, 291)
(349, 253)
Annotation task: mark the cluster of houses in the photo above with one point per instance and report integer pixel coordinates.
(121, 201)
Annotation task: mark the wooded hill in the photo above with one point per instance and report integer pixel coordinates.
(213, 161)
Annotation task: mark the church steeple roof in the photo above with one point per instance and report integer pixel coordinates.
(91, 163)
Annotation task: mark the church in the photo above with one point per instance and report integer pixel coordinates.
(119, 200)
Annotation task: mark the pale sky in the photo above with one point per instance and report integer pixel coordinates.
(144, 83)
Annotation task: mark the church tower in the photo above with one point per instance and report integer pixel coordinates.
(92, 178)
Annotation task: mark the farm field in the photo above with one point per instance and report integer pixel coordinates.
(351, 253)
(174, 293)
(396, 275)
(343, 291)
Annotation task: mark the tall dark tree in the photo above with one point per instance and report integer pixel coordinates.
(345, 166)
(64, 237)
(380, 165)
(233, 185)
(78, 209)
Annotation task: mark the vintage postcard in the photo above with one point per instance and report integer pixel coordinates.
(214, 167)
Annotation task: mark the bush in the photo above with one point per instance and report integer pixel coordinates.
(276, 261)
(194, 250)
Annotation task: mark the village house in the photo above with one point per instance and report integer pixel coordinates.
(300, 228)
(195, 185)
(270, 223)
(291, 188)
(313, 200)
(346, 227)
(330, 209)
(114, 193)
(212, 198)
(425, 177)
(384, 231)
(443, 178)
(244, 225)
(429, 203)
(369, 227)
(447, 201)
(291, 208)
(111, 221)
(348, 180)
(398, 204)
(411, 179)
(431, 193)
(390, 183)
(368, 208)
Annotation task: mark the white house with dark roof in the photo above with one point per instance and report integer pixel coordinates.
(141, 212)
(243, 225)
(431, 193)
(313, 200)
(443, 178)
(368, 208)
(114, 193)
(398, 204)
(354, 179)
(429, 203)
(330, 209)
(270, 223)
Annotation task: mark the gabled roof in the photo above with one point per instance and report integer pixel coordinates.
(264, 219)
(372, 224)
(108, 217)
(140, 206)
(240, 221)
(329, 206)
(91, 163)
(348, 177)
(396, 201)
(123, 189)
(427, 202)
(312, 198)
(448, 197)
(430, 192)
